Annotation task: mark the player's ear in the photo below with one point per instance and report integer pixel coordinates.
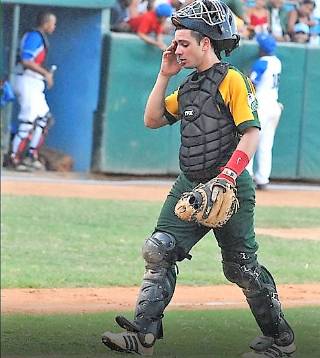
(206, 45)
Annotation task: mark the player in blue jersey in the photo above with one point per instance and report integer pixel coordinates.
(31, 80)
(265, 76)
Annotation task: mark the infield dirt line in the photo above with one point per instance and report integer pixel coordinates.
(76, 300)
(292, 198)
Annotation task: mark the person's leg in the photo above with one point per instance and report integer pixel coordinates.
(269, 120)
(241, 266)
(170, 242)
(33, 105)
(26, 116)
(19, 144)
(41, 126)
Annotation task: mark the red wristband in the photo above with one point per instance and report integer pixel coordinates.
(235, 166)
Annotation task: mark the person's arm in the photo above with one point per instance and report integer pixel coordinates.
(258, 69)
(241, 156)
(152, 41)
(155, 109)
(31, 65)
(239, 95)
(31, 43)
(154, 115)
(292, 18)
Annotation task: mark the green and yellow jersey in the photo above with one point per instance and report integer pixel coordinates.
(238, 94)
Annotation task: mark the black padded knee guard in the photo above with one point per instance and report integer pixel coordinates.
(158, 284)
(260, 290)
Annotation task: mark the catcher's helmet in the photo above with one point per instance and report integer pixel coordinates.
(211, 18)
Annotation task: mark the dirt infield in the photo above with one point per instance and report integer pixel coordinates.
(120, 298)
(148, 192)
(74, 300)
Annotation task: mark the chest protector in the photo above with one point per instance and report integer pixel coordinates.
(208, 132)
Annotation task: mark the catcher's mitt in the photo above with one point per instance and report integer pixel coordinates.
(211, 204)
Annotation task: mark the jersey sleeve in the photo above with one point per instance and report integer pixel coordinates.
(238, 94)
(258, 69)
(30, 45)
(171, 107)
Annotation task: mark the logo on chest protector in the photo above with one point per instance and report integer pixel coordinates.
(190, 114)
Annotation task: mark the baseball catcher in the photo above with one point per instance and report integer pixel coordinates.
(219, 127)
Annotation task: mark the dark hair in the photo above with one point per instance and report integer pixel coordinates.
(197, 35)
(43, 17)
(307, 2)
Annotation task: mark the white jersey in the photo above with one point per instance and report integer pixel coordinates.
(265, 76)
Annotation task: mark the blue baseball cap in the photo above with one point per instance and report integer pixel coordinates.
(267, 43)
(164, 10)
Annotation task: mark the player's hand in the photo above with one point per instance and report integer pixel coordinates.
(49, 79)
(169, 65)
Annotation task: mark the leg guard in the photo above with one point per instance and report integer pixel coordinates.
(21, 139)
(42, 125)
(158, 284)
(260, 290)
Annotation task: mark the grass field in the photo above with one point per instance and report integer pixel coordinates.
(84, 242)
(48, 242)
(219, 334)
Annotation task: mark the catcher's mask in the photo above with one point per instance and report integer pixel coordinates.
(211, 18)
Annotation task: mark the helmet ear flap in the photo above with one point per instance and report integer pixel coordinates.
(227, 45)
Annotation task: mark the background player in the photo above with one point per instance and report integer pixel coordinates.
(265, 76)
(34, 116)
(219, 134)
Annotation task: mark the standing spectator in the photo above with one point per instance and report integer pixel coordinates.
(258, 17)
(150, 22)
(278, 20)
(216, 108)
(302, 14)
(265, 77)
(120, 16)
(34, 116)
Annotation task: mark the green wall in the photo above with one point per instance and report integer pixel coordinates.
(129, 68)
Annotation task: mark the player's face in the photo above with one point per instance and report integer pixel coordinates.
(51, 24)
(189, 52)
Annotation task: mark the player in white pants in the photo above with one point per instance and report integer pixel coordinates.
(31, 79)
(265, 77)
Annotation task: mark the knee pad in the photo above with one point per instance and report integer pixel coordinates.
(21, 139)
(24, 129)
(245, 276)
(158, 249)
(44, 122)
